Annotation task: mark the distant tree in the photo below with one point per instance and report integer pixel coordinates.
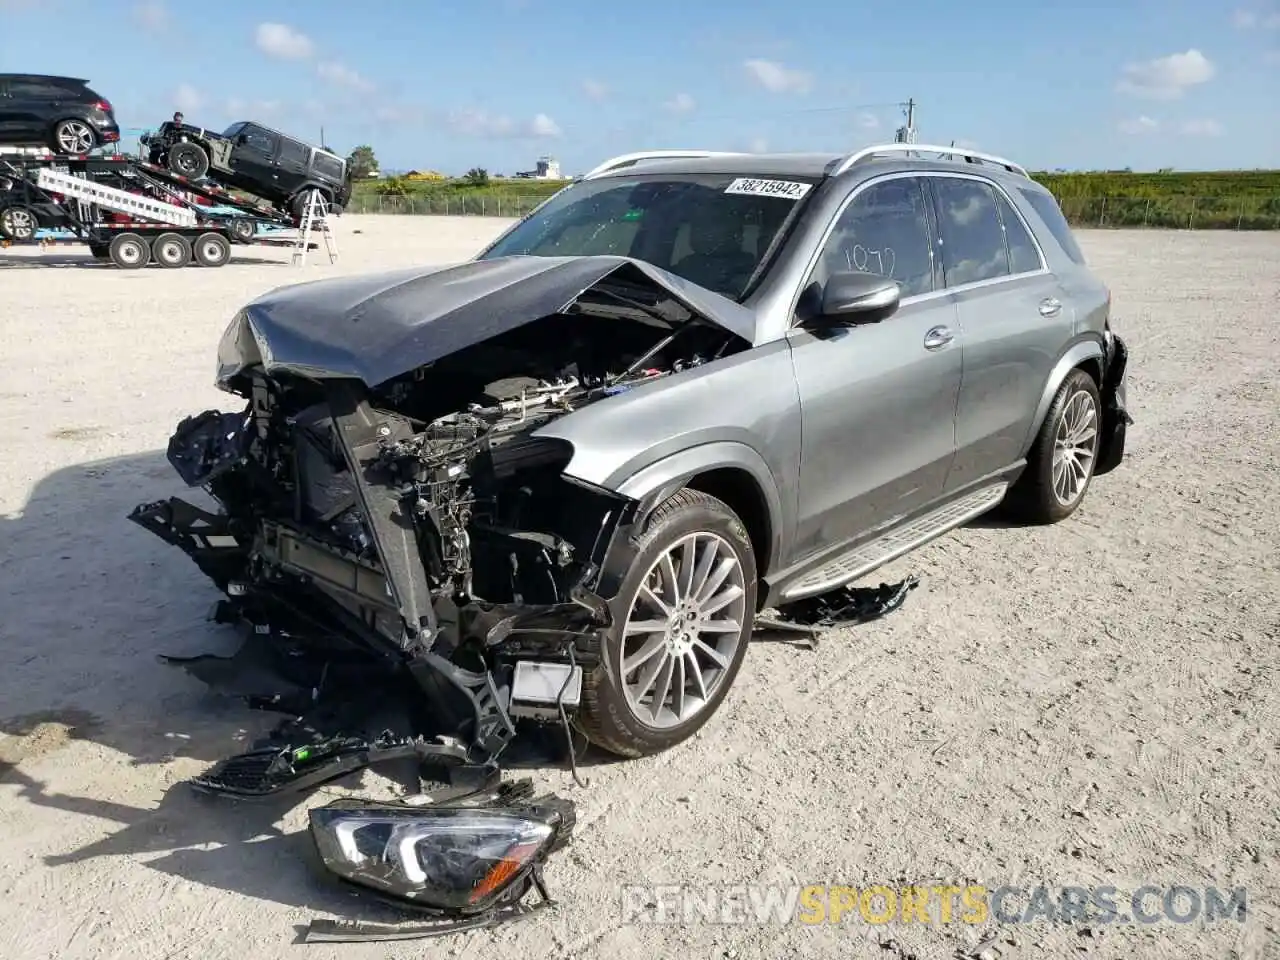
(392, 187)
(477, 177)
(362, 162)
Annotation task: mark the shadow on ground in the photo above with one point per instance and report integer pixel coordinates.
(87, 600)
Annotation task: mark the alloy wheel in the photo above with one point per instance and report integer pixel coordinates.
(18, 224)
(75, 137)
(683, 630)
(1075, 446)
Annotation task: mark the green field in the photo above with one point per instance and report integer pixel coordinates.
(1232, 200)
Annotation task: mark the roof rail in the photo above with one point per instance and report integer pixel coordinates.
(969, 156)
(627, 159)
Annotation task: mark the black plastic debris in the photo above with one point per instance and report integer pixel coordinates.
(841, 607)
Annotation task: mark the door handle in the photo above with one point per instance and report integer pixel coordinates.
(938, 337)
(1050, 307)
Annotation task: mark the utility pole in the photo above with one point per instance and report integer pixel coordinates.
(907, 133)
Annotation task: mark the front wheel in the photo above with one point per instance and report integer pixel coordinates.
(691, 597)
(1061, 461)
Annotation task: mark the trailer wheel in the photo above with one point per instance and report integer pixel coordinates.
(211, 250)
(171, 250)
(18, 223)
(188, 160)
(128, 251)
(242, 231)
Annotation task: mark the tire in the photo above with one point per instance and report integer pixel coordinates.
(128, 251)
(188, 160)
(73, 137)
(242, 231)
(335, 209)
(1053, 485)
(18, 223)
(298, 203)
(171, 250)
(211, 250)
(612, 716)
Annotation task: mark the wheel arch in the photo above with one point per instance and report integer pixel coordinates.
(729, 471)
(1089, 355)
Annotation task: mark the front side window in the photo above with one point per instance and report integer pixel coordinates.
(259, 140)
(713, 230)
(973, 247)
(884, 230)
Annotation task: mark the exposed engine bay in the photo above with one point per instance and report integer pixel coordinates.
(421, 527)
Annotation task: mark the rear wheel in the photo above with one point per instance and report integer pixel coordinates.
(1061, 461)
(211, 250)
(188, 160)
(73, 136)
(691, 597)
(18, 223)
(128, 251)
(171, 250)
(298, 205)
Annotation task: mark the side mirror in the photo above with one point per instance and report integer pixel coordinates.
(852, 297)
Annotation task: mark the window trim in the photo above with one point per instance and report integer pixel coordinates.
(944, 291)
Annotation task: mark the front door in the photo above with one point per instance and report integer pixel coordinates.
(1014, 318)
(878, 400)
(254, 160)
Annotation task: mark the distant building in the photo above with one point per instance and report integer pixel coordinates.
(425, 175)
(548, 168)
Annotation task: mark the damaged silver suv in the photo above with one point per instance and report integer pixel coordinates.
(561, 480)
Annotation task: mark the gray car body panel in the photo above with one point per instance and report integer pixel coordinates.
(377, 327)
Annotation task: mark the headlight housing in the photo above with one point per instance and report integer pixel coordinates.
(451, 859)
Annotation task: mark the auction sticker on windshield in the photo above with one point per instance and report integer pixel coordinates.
(751, 187)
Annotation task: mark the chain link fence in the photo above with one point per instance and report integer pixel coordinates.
(1185, 213)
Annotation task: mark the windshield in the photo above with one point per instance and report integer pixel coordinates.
(713, 230)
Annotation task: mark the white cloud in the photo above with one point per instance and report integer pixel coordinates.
(341, 75)
(481, 123)
(681, 103)
(152, 16)
(595, 90)
(283, 42)
(1252, 19)
(777, 78)
(544, 126)
(1138, 125)
(1166, 78)
(868, 121)
(1201, 128)
(187, 98)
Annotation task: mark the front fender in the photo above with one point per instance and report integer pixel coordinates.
(658, 481)
(1076, 354)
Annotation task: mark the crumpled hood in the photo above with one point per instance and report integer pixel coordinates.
(376, 327)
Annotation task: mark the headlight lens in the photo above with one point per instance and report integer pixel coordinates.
(457, 859)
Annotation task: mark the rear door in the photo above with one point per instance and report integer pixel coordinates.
(1013, 316)
(878, 400)
(292, 165)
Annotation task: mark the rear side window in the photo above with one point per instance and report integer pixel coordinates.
(327, 166)
(1023, 255)
(1047, 208)
(39, 89)
(973, 247)
(291, 151)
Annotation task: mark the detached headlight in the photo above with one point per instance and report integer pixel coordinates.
(460, 860)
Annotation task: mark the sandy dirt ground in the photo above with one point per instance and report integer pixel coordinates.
(1092, 703)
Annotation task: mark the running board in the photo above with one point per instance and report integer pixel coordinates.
(866, 557)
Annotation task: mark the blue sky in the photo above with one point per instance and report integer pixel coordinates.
(450, 84)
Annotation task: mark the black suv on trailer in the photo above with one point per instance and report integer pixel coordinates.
(61, 113)
(256, 159)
